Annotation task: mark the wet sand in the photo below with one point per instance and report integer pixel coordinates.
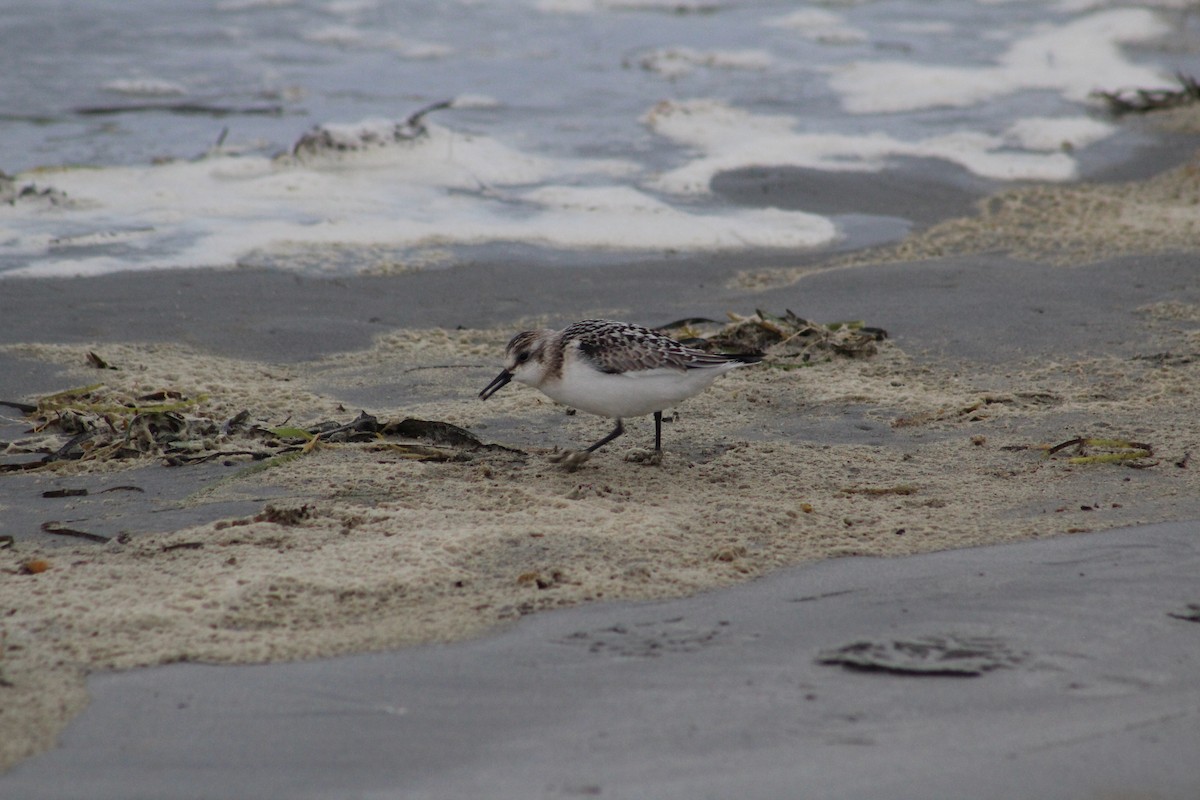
(1091, 695)
(936, 443)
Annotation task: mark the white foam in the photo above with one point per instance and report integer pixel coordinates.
(476, 101)
(1076, 6)
(674, 62)
(1048, 134)
(347, 36)
(341, 35)
(1073, 59)
(442, 188)
(730, 139)
(350, 7)
(820, 26)
(588, 217)
(924, 27)
(144, 87)
(417, 50)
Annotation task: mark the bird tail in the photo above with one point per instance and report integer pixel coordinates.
(713, 360)
(745, 358)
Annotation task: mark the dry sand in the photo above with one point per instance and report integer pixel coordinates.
(367, 548)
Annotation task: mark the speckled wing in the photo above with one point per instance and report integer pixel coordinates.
(621, 347)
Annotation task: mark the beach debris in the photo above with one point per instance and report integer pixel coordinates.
(166, 548)
(880, 491)
(1169, 359)
(434, 432)
(426, 440)
(65, 493)
(324, 139)
(101, 422)
(1190, 614)
(285, 515)
(1144, 101)
(24, 408)
(34, 566)
(786, 336)
(12, 192)
(61, 530)
(541, 580)
(97, 362)
(729, 554)
(1115, 451)
(98, 423)
(949, 655)
(234, 422)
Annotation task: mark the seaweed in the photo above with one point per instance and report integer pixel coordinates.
(950, 655)
(1144, 101)
(786, 336)
(321, 140)
(1117, 451)
(96, 423)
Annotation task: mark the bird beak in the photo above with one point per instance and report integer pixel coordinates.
(496, 385)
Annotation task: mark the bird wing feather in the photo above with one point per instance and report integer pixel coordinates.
(621, 347)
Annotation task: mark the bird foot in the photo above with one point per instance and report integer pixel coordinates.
(649, 458)
(571, 460)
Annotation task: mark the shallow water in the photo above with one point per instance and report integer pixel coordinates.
(586, 126)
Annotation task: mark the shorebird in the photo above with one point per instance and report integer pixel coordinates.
(611, 369)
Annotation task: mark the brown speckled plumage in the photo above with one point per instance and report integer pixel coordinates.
(623, 347)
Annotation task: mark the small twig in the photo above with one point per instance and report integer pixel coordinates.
(188, 461)
(59, 530)
(1119, 444)
(24, 408)
(414, 120)
(65, 493)
(183, 546)
(1063, 446)
(62, 453)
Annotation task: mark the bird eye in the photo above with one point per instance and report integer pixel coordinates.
(523, 357)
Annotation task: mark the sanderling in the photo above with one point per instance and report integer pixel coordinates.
(611, 369)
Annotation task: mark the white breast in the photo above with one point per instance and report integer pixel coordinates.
(628, 394)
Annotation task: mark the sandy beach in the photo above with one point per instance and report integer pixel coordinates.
(1051, 314)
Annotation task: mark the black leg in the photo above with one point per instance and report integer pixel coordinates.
(658, 431)
(617, 431)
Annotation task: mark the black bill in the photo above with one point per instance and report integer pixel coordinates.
(496, 385)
